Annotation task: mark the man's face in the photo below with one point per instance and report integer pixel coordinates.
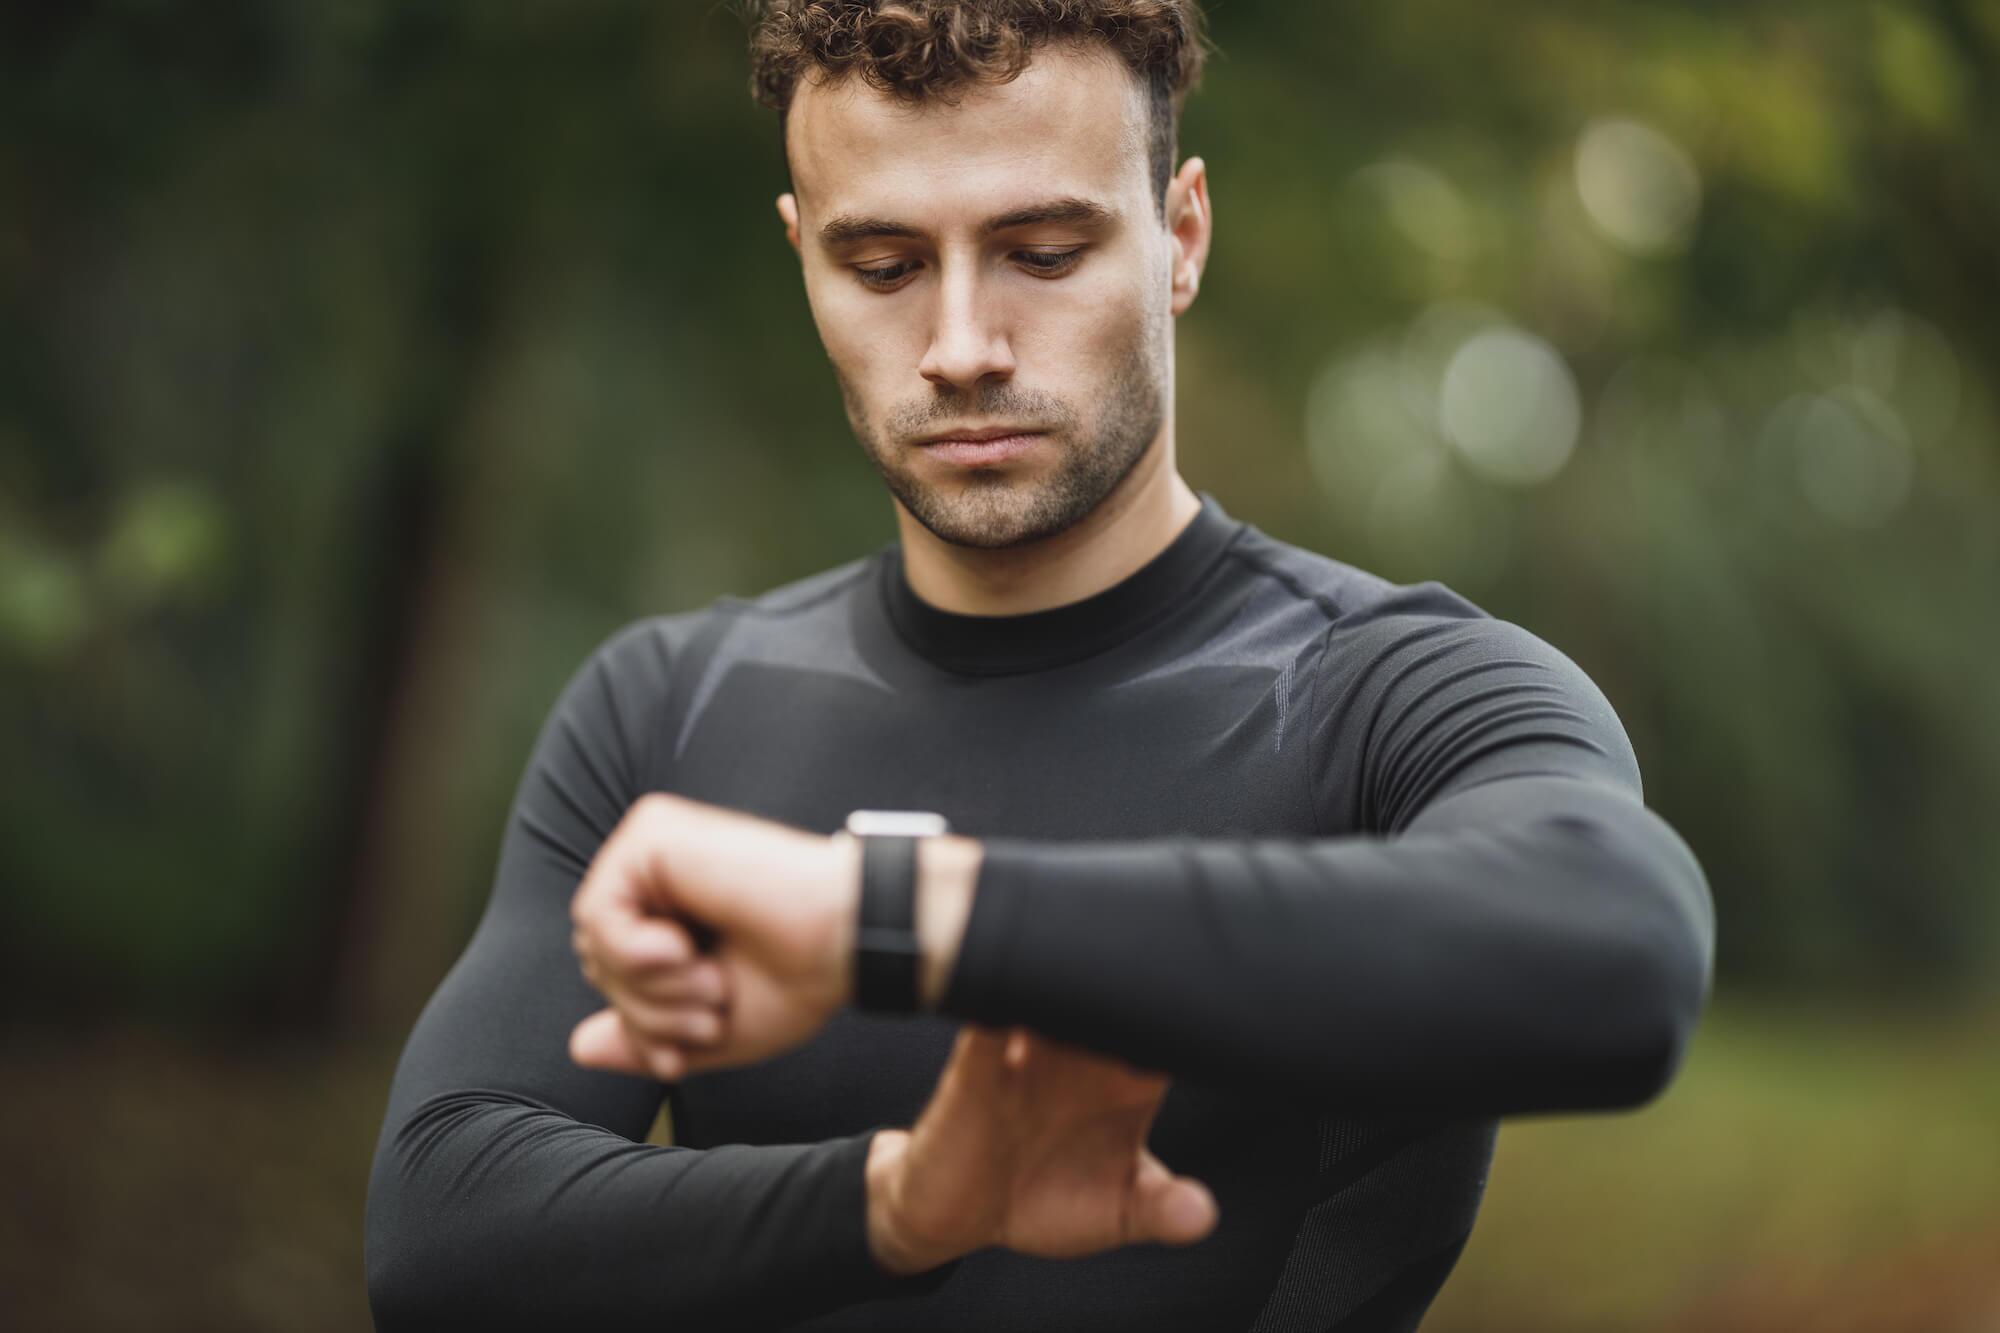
(994, 264)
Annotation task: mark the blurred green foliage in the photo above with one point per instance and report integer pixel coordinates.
(363, 365)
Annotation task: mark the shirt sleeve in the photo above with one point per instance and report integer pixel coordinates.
(1511, 930)
(508, 1189)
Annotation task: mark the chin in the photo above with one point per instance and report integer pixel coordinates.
(990, 510)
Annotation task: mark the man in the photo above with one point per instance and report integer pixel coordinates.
(1261, 869)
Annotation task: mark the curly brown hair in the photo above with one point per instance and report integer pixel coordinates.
(922, 49)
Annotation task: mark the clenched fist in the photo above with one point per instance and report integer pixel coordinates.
(775, 906)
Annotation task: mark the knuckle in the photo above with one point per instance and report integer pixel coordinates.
(610, 950)
(615, 947)
(705, 985)
(662, 951)
(656, 811)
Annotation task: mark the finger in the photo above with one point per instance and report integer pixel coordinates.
(663, 1062)
(1170, 1209)
(633, 944)
(674, 1025)
(600, 1042)
(1184, 1212)
(697, 983)
(702, 981)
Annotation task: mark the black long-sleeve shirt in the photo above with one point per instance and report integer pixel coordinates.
(1362, 867)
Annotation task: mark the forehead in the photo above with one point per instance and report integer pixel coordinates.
(1072, 123)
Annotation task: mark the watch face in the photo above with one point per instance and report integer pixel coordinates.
(897, 823)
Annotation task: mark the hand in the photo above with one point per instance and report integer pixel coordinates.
(780, 904)
(1030, 1144)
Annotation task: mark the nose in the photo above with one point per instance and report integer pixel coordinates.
(968, 341)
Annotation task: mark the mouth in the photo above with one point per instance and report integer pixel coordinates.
(988, 444)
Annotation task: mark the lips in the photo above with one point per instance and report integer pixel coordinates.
(982, 433)
(977, 448)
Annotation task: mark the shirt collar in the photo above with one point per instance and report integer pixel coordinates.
(1037, 640)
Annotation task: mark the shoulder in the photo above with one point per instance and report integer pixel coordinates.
(1362, 631)
(1416, 686)
(1355, 604)
(654, 674)
(1365, 614)
(825, 588)
(645, 650)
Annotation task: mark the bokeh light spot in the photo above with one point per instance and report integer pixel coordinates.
(1639, 188)
(1422, 205)
(1849, 453)
(1509, 405)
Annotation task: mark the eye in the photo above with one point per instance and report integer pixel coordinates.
(885, 277)
(1049, 263)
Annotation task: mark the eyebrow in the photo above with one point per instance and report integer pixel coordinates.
(846, 229)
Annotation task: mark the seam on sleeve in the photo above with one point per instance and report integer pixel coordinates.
(660, 643)
(1333, 612)
(601, 668)
(1312, 731)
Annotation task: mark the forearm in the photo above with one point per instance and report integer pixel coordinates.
(493, 1211)
(1540, 944)
(508, 1189)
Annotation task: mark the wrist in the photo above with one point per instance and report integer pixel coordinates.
(843, 908)
(947, 879)
(889, 1240)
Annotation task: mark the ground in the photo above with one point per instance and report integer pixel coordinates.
(1806, 1170)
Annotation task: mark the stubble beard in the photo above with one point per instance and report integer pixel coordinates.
(997, 507)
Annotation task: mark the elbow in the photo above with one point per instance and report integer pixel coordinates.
(1656, 1000)
(453, 1233)
(393, 1303)
(1651, 966)
(412, 1285)
(424, 1266)
(1649, 1057)
(398, 1295)
(420, 1267)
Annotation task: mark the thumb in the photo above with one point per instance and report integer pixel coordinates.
(1170, 1209)
(601, 1042)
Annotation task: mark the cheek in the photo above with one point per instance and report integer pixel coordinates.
(1088, 331)
(866, 341)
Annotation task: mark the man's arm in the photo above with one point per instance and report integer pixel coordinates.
(508, 1190)
(1519, 933)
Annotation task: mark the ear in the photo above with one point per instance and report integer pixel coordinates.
(788, 209)
(1189, 223)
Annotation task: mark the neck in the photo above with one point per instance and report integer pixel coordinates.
(1134, 523)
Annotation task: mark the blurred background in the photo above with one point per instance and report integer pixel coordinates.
(364, 365)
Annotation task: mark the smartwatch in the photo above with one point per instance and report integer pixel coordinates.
(886, 952)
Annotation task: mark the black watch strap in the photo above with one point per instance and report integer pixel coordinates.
(886, 951)
(885, 941)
